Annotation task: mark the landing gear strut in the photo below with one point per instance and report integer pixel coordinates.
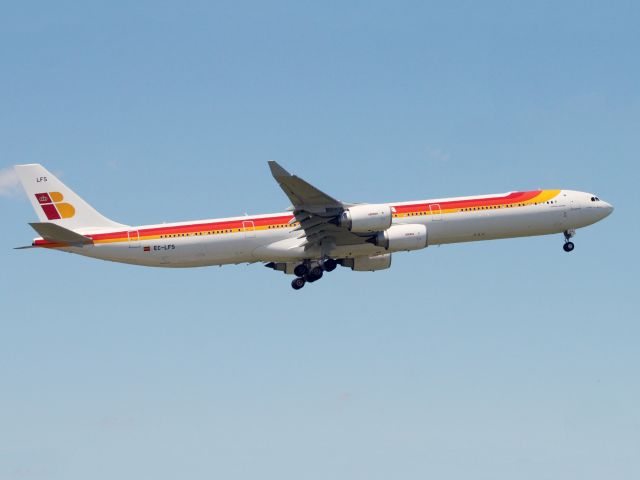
(568, 244)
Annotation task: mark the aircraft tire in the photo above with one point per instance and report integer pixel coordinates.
(316, 272)
(314, 275)
(329, 265)
(297, 283)
(300, 270)
(569, 246)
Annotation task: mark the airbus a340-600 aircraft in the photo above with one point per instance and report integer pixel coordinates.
(317, 234)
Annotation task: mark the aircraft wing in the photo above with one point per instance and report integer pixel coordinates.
(302, 194)
(317, 212)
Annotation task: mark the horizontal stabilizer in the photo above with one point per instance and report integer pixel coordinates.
(55, 233)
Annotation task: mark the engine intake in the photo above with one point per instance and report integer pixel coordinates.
(402, 238)
(366, 218)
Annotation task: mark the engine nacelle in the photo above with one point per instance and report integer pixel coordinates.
(367, 218)
(368, 264)
(402, 237)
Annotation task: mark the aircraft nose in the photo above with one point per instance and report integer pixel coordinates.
(607, 208)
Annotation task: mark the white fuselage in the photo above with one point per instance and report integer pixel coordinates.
(274, 237)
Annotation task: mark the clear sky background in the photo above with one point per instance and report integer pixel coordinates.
(496, 360)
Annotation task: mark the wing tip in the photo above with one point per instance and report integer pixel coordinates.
(277, 170)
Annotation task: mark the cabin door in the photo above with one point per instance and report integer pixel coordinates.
(249, 229)
(134, 238)
(436, 212)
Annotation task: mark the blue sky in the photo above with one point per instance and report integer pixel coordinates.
(491, 360)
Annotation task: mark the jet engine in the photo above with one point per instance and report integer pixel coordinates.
(402, 238)
(366, 218)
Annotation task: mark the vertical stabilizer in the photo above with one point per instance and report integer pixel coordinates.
(54, 202)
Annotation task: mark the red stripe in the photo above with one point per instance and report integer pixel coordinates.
(514, 197)
(46, 243)
(197, 227)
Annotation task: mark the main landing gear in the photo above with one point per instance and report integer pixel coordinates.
(297, 283)
(307, 272)
(568, 244)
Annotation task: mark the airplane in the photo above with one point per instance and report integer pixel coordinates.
(314, 236)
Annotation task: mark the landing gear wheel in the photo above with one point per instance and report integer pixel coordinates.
(329, 265)
(314, 275)
(300, 270)
(569, 246)
(298, 283)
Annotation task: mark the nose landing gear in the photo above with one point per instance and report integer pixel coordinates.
(568, 244)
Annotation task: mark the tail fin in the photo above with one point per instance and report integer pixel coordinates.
(54, 202)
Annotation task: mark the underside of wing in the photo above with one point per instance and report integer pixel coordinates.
(315, 229)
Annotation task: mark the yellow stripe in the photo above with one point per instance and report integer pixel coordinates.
(202, 233)
(543, 196)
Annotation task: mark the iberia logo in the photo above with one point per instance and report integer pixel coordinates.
(53, 206)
